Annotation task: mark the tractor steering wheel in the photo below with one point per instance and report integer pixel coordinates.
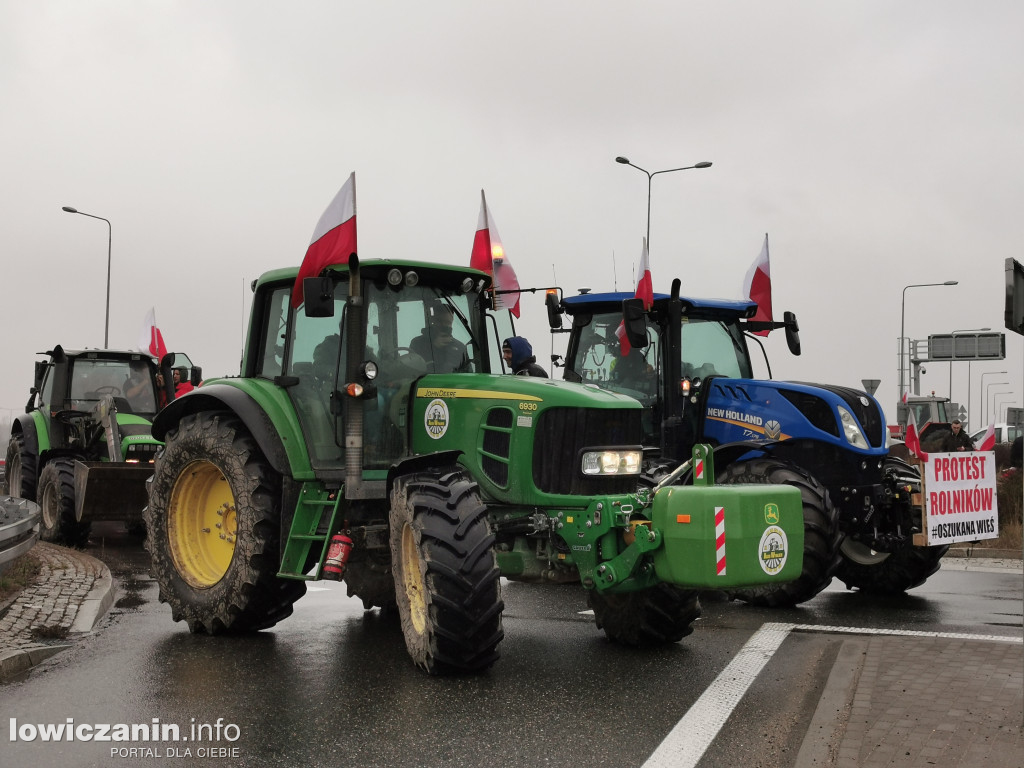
(108, 390)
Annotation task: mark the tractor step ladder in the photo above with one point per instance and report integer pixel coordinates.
(311, 530)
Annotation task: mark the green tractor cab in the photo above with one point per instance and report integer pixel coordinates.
(84, 449)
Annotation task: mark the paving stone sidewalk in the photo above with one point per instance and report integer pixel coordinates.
(923, 699)
(72, 592)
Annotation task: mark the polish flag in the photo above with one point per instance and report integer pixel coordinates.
(489, 256)
(758, 286)
(334, 238)
(150, 339)
(912, 440)
(644, 291)
(988, 442)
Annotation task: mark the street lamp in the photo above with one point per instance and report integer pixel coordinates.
(952, 354)
(903, 315)
(986, 386)
(995, 399)
(997, 403)
(650, 176)
(110, 239)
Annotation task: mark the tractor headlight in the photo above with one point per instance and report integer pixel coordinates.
(611, 462)
(854, 435)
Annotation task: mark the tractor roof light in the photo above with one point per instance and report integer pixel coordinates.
(411, 278)
(395, 276)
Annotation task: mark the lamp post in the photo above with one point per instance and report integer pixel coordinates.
(995, 398)
(986, 386)
(952, 355)
(903, 315)
(997, 403)
(650, 177)
(110, 240)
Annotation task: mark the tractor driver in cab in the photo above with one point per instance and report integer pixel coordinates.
(436, 343)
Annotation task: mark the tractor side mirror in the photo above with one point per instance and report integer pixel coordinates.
(554, 310)
(40, 372)
(318, 293)
(635, 320)
(196, 377)
(792, 332)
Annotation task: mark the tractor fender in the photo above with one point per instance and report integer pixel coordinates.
(426, 461)
(218, 398)
(729, 453)
(25, 426)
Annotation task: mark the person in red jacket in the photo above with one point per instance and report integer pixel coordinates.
(181, 382)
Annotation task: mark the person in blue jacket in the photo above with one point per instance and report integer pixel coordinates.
(519, 355)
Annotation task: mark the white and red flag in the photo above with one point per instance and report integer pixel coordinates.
(988, 442)
(912, 438)
(150, 338)
(489, 256)
(758, 286)
(644, 291)
(334, 238)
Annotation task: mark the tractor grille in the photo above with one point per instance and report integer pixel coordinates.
(870, 415)
(815, 410)
(562, 433)
(497, 442)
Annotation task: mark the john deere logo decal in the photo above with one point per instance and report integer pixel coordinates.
(773, 549)
(436, 418)
(771, 514)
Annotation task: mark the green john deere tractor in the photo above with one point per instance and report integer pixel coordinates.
(83, 448)
(367, 410)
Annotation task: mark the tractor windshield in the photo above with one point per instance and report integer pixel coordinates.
(714, 348)
(602, 359)
(129, 382)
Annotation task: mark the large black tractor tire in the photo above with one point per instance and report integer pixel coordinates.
(821, 532)
(21, 467)
(57, 504)
(657, 616)
(213, 528)
(445, 573)
(889, 573)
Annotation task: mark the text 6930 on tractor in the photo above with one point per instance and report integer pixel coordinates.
(83, 448)
(689, 363)
(366, 436)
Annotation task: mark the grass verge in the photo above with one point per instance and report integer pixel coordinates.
(22, 573)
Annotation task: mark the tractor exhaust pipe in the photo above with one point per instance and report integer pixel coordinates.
(352, 408)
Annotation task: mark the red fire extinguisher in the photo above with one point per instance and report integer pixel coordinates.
(337, 556)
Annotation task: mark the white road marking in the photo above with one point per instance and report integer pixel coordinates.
(692, 735)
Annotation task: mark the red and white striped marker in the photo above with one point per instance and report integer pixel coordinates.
(720, 539)
(698, 471)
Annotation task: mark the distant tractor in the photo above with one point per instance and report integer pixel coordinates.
(367, 439)
(690, 365)
(83, 449)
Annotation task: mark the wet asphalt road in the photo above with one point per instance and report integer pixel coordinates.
(332, 685)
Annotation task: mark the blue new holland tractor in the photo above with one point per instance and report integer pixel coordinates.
(688, 361)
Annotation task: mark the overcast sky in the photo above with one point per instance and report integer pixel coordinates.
(879, 144)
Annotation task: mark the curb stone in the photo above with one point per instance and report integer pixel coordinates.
(73, 591)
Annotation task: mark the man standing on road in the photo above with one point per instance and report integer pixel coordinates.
(957, 439)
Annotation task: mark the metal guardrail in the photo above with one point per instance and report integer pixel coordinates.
(19, 528)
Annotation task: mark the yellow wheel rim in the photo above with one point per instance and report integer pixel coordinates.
(412, 577)
(202, 526)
